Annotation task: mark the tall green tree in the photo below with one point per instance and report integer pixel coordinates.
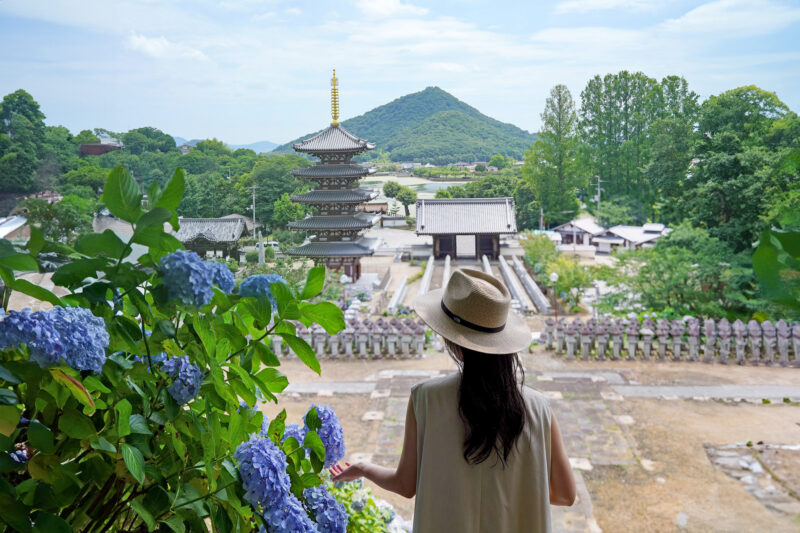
(22, 134)
(551, 168)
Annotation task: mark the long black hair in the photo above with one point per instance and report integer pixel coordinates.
(490, 402)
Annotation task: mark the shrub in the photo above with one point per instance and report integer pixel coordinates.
(131, 405)
(251, 257)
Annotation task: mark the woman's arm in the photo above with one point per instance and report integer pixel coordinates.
(403, 480)
(562, 483)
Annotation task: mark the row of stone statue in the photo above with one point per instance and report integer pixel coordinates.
(363, 339)
(680, 340)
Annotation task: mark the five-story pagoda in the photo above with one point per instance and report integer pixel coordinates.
(336, 224)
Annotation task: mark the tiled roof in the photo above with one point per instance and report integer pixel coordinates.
(585, 224)
(637, 234)
(357, 221)
(335, 195)
(360, 247)
(248, 222)
(333, 139)
(332, 171)
(465, 216)
(210, 229)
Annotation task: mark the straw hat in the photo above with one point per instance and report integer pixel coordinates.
(473, 312)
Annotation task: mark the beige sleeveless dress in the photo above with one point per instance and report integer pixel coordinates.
(454, 496)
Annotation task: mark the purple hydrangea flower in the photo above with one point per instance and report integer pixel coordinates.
(258, 286)
(73, 333)
(187, 277)
(186, 378)
(36, 332)
(262, 467)
(331, 434)
(288, 516)
(329, 514)
(83, 335)
(222, 276)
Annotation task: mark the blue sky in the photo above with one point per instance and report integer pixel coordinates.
(249, 70)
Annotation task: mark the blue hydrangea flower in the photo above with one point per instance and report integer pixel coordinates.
(288, 516)
(262, 467)
(329, 514)
(73, 333)
(186, 378)
(331, 434)
(83, 335)
(258, 286)
(19, 456)
(294, 430)
(187, 277)
(36, 332)
(222, 276)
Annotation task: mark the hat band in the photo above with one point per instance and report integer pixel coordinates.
(471, 325)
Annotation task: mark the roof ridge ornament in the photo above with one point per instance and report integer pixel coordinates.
(335, 99)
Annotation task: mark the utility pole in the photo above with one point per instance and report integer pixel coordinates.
(599, 181)
(541, 218)
(254, 187)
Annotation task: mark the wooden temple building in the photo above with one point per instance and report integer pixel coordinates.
(337, 224)
(215, 235)
(466, 227)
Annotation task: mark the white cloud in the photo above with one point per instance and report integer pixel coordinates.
(735, 18)
(389, 8)
(586, 6)
(162, 48)
(293, 11)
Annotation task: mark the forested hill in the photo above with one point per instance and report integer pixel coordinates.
(433, 126)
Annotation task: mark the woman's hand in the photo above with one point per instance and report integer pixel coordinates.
(347, 473)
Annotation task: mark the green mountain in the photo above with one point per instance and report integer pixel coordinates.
(433, 126)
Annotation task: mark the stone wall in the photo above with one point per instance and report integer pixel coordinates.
(688, 339)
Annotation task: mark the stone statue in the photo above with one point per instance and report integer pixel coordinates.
(549, 330)
(587, 334)
(694, 339)
(724, 340)
(770, 341)
(571, 339)
(740, 338)
(601, 332)
(676, 332)
(560, 327)
(662, 331)
(633, 338)
(616, 339)
(784, 335)
(710, 330)
(754, 332)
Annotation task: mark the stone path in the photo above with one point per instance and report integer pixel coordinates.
(758, 392)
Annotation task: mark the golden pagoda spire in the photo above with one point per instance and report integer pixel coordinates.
(335, 99)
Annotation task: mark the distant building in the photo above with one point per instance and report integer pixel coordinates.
(248, 222)
(579, 231)
(50, 197)
(204, 235)
(185, 149)
(466, 227)
(14, 227)
(643, 236)
(374, 207)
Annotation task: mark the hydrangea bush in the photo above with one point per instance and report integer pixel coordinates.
(131, 405)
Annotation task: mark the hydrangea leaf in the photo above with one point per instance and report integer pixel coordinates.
(303, 351)
(172, 195)
(312, 419)
(155, 217)
(75, 425)
(75, 387)
(277, 427)
(138, 424)
(314, 283)
(40, 437)
(106, 243)
(50, 523)
(326, 314)
(134, 460)
(175, 524)
(121, 195)
(14, 513)
(310, 480)
(138, 506)
(7, 375)
(26, 287)
(275, 380)
(36, 241)
(75, 272)
(8, 397)
(9, 418)
(314, 443)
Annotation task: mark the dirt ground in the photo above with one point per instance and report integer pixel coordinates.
(669, 485)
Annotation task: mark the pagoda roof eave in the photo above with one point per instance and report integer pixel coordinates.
(341, 196)
(358, 248)
(333, 222)
(334, 138)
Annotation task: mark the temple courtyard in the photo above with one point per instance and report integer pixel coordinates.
(654, 446)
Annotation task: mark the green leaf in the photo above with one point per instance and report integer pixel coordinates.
(50, 523)
(138, 424)
(312, 419)
(36, 241)
(14, 513)
(314, 283)
(75, 387)
(8, 397)
(310, 480)
(138, 506)
(9, 418)
(26, 287)
(102, 444)
(123, 409)
(282, 294)
(7, 375)
(265, 354)
(276, 428)
(106, 243)
(75, 425)
(155, 217)
(326, 314)
(41, 437)
(22, 262)
(134, 461)
(76, 271)
(121, 195)
(274, 379)
(175, 524)
(303, 351)
(314, 443)
(172, 195)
